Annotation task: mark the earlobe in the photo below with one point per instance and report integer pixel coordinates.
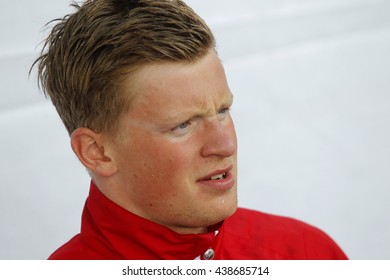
(91, 151)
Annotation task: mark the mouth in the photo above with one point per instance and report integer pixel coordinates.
(218, 176)
(221, 179)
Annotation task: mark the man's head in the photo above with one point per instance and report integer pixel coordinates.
(145, 98)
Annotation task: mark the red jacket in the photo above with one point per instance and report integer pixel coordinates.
(110, 232)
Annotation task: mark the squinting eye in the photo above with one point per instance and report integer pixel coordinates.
(223, 112)
(183, 126)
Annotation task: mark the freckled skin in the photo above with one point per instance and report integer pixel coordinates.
(160, 163)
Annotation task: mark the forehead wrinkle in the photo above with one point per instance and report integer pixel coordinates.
(183, 115)
(201, 110)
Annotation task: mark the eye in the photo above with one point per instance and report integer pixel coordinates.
(224, 110)
(183, 125)
(223, 113)
(182, 128)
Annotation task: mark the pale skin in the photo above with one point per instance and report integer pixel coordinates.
(176, 161)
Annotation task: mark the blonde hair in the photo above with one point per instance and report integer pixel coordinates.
(88, 54)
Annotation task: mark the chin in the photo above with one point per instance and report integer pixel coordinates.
(230, 211)
(224, 213)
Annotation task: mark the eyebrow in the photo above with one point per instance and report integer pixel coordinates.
(181, 116)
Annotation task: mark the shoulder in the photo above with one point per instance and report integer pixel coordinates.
(282, 237)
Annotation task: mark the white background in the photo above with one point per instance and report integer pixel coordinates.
(311, 80)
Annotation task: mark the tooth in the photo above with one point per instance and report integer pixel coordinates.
(218, 177)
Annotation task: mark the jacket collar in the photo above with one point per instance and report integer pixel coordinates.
(123, 235)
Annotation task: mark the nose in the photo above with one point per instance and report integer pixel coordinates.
(219, 138)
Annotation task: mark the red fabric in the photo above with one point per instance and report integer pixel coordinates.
(110, 232)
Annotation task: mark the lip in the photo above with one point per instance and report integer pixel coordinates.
(221, 185)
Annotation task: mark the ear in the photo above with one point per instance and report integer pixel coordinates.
(90, 150)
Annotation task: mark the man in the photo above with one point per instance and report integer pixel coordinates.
(144, 97)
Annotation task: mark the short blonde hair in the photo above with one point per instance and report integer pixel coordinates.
(88, 53)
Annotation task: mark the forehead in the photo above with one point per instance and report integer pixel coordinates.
(179, 84)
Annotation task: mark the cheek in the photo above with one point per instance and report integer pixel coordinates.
(163, 161)
(165, 176)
